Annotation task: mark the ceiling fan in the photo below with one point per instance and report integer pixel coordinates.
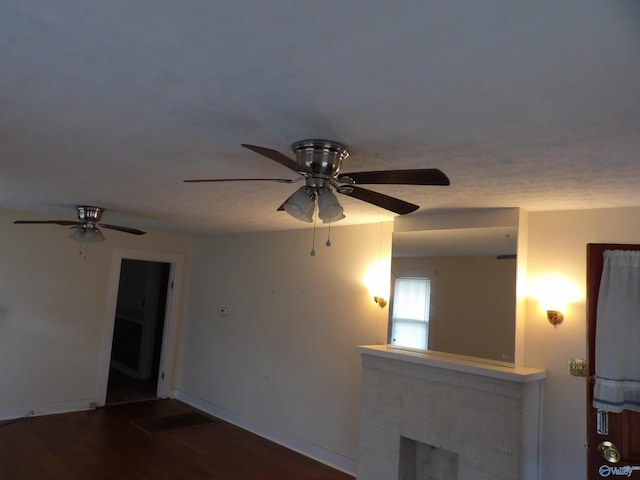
(86, 227)
(318, 162)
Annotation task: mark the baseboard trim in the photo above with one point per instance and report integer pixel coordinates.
(332, 459)
(36, 410)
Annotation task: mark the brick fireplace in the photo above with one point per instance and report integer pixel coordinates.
(435, 417)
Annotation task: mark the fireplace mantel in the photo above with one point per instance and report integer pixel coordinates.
(485, 416)
(458, 363)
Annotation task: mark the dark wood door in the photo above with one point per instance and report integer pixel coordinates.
(623, 429)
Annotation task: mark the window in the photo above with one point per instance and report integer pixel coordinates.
(410, 314)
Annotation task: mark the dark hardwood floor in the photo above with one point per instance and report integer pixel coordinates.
(107, 444)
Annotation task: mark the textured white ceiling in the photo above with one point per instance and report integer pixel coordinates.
(522, 104)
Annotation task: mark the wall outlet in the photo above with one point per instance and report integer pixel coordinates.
(578, 367)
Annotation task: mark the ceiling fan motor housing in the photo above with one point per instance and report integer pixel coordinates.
(322, 157)
(88, 214)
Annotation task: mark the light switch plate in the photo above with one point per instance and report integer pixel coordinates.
(578, 367)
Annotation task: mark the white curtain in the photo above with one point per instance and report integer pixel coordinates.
(617, 382)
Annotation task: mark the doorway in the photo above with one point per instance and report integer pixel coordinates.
(613, 443)
(138, 331)
(164, 340)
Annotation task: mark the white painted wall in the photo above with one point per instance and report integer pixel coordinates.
(557, 246)
(52, 304)
(284, 362)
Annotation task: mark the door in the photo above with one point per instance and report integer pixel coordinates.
(609, 435)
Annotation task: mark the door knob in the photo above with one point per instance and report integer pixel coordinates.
(609, 451)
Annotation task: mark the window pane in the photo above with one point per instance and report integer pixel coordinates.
(411, 299)
(410, 316)
(410, 334)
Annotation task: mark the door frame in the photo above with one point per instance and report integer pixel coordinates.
(172, 318)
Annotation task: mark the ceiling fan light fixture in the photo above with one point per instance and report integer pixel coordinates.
(329, 209)
(87, 234)
(301, 205)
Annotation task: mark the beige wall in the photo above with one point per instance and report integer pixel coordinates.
(284, 361)
(52, 311)
(557, 253)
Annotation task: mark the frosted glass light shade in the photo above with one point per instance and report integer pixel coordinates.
(329, 210)
(87, 235)
(300, 205)
(335, 219)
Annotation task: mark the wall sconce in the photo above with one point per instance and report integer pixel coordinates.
(555, 293)
(555, 317)
(380, 301)
(376, 279)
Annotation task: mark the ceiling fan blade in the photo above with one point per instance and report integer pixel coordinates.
(133, 231)
(57, 222)
(279, 180)
(280, 158)
(379, 199)
(424, 176)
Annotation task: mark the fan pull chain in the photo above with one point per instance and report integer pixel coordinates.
(313, 243)
(328, 244)
(83, 250)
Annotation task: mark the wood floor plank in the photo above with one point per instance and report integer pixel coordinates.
(105, 444)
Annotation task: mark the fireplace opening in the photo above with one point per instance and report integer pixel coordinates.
(419, 461)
